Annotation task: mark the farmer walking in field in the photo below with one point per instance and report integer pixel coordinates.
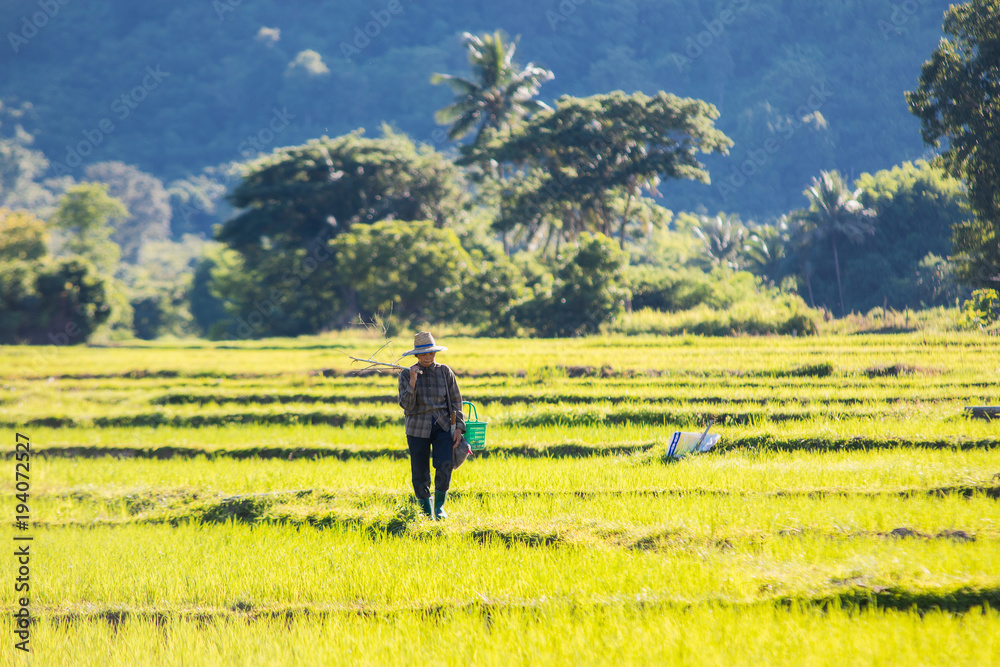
(432, 404)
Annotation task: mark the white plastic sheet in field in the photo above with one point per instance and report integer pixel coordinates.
(683, 443)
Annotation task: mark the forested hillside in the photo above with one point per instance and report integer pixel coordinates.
(175, 87)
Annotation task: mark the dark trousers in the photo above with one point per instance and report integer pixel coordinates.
(420, 457)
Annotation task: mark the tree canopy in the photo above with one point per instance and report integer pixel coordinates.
(22, 236)
(326, 186)
(958, 99)
(293, 202)
(85, 214)
(51, 302)
(587, 150)
(835, 212)
(412, 269)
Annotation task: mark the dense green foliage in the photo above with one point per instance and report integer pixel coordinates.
(834, 213)
(958, 99)
(84, 216)
(585, 154)
(588, 290)
(982, 310)
(191, 84)
(412, 269)
(916, 207)
(295, 201)
(900, 231)
(326, 186)
(55, 303)
(22, 236)
(893, 230)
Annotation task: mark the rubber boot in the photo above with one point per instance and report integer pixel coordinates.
(425, 506)
(439, 498)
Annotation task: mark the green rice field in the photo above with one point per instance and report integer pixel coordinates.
(249, 503)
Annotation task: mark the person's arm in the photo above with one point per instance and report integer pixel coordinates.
(407, 392)
(456, 402)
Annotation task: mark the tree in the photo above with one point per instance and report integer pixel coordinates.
(21, 166)
(589, 290)
(73, 299)
(412, 269)
(296, 200)
(958, 99)
(17, 296)
(328, 185)
(982, 310)
(22, 236)
(498, 96)
(159, 285)
(498, 92)
(84, 214)
(725, 240)
(61, 302)
(916, 207)
(207, 306)
(835, 211)
(588, 160)
(145, 198)
(769, 250)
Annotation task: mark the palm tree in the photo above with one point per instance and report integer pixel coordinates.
(835, 211)
(725, 239)
(796, 234)
(498, 91)
(768, 250)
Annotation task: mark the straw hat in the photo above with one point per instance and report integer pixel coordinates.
(424, 342)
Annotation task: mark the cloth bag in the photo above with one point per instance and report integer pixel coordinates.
(463, 449)
(460, 452)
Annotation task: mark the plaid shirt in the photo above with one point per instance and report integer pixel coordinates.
(428, 400)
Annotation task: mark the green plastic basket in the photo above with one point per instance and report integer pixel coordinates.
(475, 430)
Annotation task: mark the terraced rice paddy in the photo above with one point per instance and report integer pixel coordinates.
(250, 504)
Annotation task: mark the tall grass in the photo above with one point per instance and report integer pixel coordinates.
(964, 353)
(610, 634)
(743, 472)
(230, 566)
(185, 513)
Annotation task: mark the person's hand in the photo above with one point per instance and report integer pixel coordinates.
(414, 372)
(456, 438)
